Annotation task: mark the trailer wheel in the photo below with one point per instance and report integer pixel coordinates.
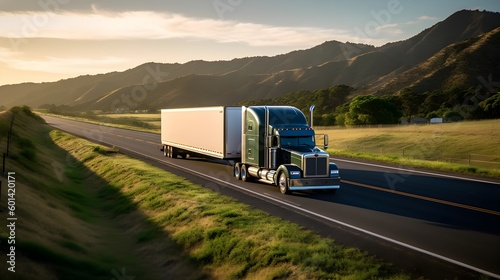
(165, 151)
(174, 153)
(283, 184)
(237, 171)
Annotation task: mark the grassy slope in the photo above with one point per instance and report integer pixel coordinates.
(86, 212)
(64, 231)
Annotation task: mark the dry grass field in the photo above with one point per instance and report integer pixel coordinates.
(152, 119)
(466, 147)
(450, 142)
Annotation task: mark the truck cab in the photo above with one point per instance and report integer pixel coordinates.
(278, 147)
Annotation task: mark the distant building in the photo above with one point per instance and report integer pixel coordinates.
(415, 121)
(436, 120)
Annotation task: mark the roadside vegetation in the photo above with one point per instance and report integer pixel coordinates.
(88, 212)
(143, 122)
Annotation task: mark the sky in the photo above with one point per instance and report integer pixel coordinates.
(49, 40)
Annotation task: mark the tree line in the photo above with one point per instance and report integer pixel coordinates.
(336, 106)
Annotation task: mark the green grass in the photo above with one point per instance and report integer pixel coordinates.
(68, 267)
(64, 232)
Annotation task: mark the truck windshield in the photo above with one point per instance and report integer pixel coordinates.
(307, 141)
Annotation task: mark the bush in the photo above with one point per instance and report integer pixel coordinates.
(26, 110)
(452, 116)
(29, 154)
(340, 119)
(27, 147)
(101, 150)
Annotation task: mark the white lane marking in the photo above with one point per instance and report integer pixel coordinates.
(426, 198)
(418, 171)
(281, 199)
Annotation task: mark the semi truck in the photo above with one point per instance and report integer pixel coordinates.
(272, 144)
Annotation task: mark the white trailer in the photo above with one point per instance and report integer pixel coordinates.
(208, 132)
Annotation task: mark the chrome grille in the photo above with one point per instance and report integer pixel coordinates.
(316, 166)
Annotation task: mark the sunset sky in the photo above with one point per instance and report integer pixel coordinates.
(48, 40)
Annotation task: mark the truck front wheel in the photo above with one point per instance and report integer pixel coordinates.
(283, 184)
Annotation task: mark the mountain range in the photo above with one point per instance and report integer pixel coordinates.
(453, 53)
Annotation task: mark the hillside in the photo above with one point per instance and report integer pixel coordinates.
(83, 89)
(391, 67)
(458, 65)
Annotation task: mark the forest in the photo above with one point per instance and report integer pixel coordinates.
(341, 105)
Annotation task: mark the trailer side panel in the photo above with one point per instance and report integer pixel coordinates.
(206, 131)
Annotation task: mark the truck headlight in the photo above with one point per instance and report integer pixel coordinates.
(334, 173)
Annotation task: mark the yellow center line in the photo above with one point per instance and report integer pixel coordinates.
(425, 198)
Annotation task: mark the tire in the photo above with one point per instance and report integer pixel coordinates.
(165, 151)
(174, 153)
(283, 183)
(244, 173)
(237, 171)
(332, 191)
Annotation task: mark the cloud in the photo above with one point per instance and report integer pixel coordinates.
(148, 25)
(392, 29)
(68, 65)
(421, 19)
(6, 53)
(425, 18)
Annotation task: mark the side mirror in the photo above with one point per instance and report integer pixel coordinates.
(325, 144)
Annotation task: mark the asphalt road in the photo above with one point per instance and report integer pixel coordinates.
(435, 225)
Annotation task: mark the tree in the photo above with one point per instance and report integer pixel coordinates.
(432, 102)
(452, 116)
(410, 102)
(369, 109)
(491, 106)
(328, 119)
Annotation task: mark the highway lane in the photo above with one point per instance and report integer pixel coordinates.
(451, 218)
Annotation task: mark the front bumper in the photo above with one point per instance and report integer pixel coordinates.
(314, 184)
